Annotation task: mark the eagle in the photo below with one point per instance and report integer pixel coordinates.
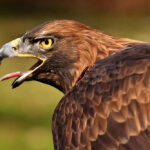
(105, 81)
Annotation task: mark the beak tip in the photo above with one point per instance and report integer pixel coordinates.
(7, 51)
(15, 84)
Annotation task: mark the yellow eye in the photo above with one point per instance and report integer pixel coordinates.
(47, 43)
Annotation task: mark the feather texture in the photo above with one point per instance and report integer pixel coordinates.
(107, 97)
(111, 111)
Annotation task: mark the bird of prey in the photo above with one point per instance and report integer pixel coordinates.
(105, 79)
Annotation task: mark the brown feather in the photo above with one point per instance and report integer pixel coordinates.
(106, 103)
(115, 106)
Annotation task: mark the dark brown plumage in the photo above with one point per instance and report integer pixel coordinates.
(109, 107)
(106, 103)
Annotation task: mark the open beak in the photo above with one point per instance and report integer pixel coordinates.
(11, 49)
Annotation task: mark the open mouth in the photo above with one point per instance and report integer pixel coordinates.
(22, 76)
(12, 49)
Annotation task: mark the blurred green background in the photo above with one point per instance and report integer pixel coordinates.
(26, 112)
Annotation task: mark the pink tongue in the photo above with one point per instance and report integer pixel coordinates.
(11, 75)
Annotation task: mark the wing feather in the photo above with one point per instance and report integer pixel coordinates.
(109, 108)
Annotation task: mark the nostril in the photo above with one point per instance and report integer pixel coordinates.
(14, 48)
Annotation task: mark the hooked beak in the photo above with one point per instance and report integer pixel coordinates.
(8, 50)
(11, 49)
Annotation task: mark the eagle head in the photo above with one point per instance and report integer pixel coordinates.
(62, 49)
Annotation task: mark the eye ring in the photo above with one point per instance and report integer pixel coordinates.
(46, 43)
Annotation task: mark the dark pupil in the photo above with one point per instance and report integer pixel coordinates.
(46, 42)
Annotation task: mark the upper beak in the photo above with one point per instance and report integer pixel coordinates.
(13, 49)
(9, 49)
